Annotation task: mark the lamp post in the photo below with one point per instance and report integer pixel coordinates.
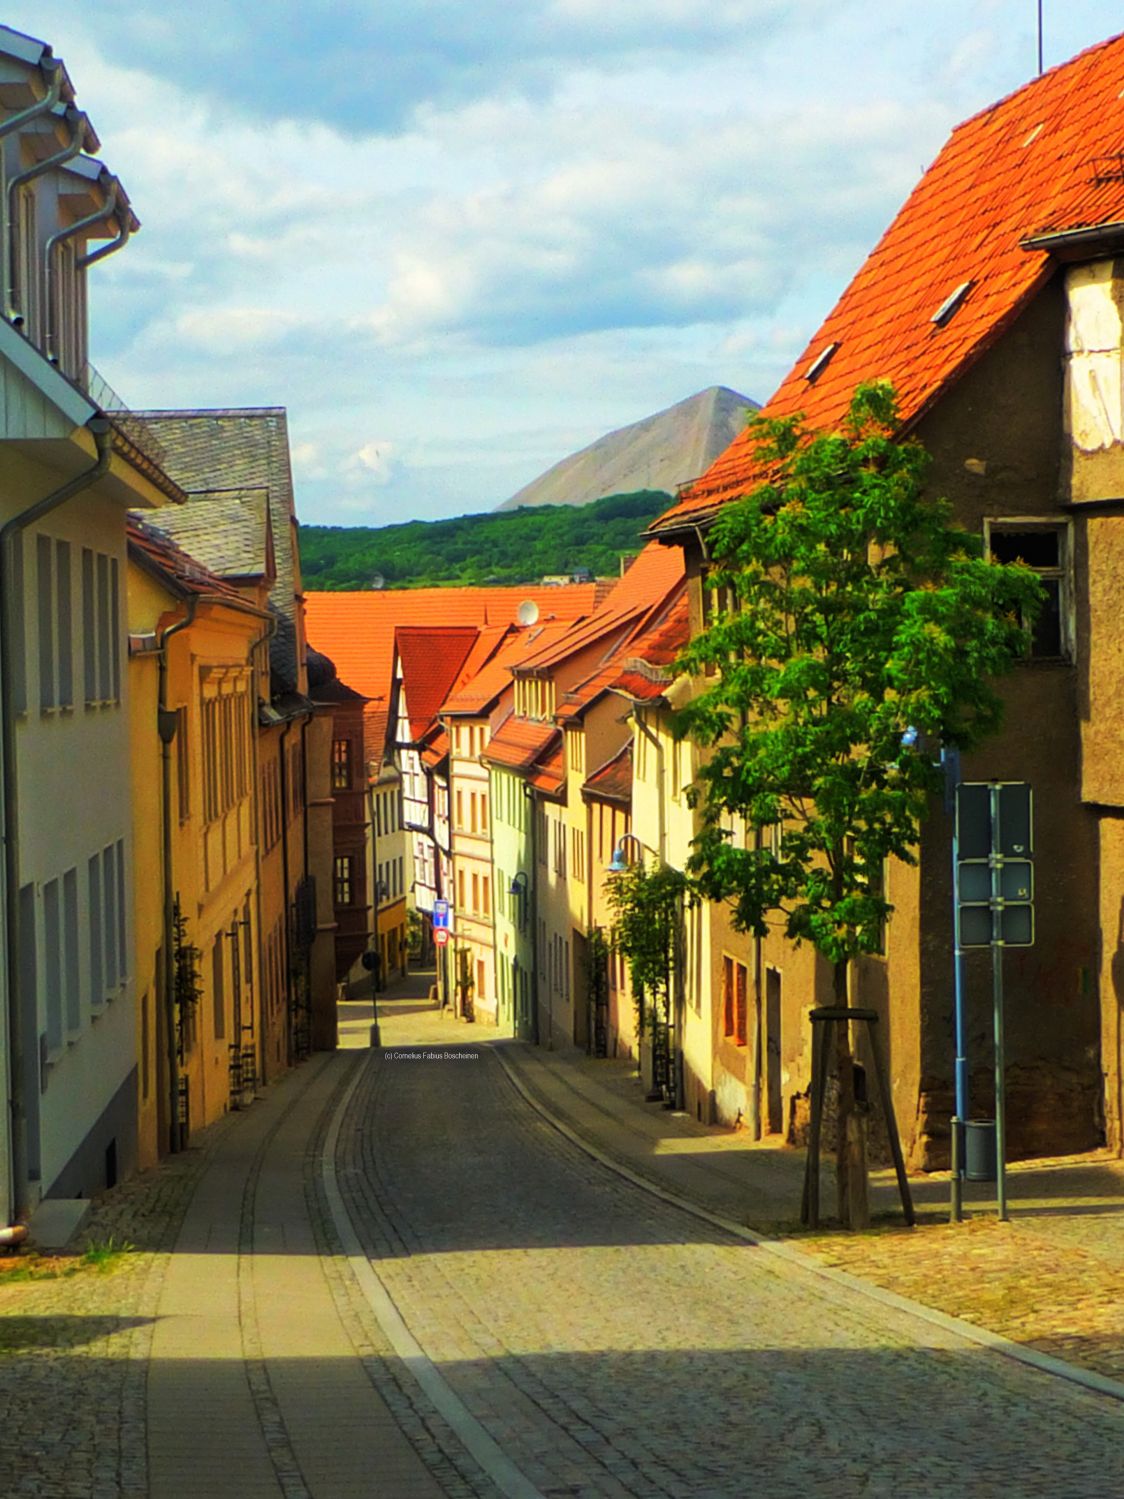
(620, 862)
(665, 1085)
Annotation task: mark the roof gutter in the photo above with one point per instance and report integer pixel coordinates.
(11, 535)
(60, 158)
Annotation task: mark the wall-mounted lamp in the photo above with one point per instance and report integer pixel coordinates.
(520, 887)
(620, 861)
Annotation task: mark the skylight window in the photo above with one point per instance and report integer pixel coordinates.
(950, 304)
(1034, 134)
(820, 362)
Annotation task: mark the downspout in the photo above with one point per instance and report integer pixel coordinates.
(10, 534)
(758, 1015)
(259, 1039)
(72, 149)
(166, 727)
(286, 924)
(59, 237)
(53, 67)
(530, 798)
(123, 236)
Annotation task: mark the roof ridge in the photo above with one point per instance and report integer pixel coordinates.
(1031, 83)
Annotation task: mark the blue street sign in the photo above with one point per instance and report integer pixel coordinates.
(442, 916)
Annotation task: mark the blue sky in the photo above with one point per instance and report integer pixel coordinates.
(460, 241)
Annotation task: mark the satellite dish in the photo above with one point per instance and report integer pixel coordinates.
(528, 612)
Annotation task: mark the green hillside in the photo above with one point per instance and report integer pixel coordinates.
(506, 546)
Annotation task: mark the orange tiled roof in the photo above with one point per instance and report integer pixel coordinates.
(435, 748)
(654, 632)
(476, 693)
(612, 782)
(1023, 166)
(518, 742)
(548, 774)
(431, 658)
(356, 629)
(643, 667)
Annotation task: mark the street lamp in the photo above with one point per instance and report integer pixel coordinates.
(620, 862)
(520, 888)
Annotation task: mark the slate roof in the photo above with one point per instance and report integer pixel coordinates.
(238, 449)
(1044, 159)
(612, 782)
(357, 629)
(227, 529)
(181, 573)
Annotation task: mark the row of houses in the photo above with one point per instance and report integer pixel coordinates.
(534, 745)
(167, 931)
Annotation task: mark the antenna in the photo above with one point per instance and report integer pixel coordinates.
(1040, 38)
(528, 612)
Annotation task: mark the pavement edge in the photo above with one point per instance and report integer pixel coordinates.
(1044, 1363)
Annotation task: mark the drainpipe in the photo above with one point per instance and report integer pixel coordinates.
(123, 235)
(758, 1016)
(529, 794)
(10, 535)
(59, 237)
(259, 1039)
(60, 158)
(53, 68)
(166, 728)
(286, 924)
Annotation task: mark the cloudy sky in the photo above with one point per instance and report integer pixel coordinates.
(460, 240)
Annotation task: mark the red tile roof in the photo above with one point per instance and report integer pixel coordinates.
(644, 666)
(431, 659)
(661, 633)
(476, 693)
(548, 774)
(357, 629)
(1023, 166)
(612, 782)
(435, 748)
(518, 742)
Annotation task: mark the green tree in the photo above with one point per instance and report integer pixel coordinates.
(858, 628)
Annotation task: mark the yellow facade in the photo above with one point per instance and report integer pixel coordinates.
(198, 1056)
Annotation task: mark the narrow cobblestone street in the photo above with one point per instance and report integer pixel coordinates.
(395, 1276)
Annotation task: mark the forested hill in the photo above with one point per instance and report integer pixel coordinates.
(509, 546)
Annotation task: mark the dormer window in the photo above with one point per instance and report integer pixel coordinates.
(951, 304)
(820, 363)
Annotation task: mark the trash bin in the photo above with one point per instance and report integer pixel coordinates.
(980, 1157)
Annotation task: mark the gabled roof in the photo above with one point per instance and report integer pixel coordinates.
(478, 692)
(357, 629)
(952, 272)
(240, 449)
(548, 773)
(431, 658)
(612, 782)
(666, 622)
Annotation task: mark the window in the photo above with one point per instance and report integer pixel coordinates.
(183, 766)
(52, 949)
(64, 631)
(72, 984)
(486, 894)
(101, 646)
(218, 987)
(226, 753)
(1043, 547)
(341, 764)
(735, 984)
(343, 879)
(94, 906)
(46, 602)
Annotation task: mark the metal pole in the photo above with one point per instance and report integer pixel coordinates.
(950, 758)
(997, 1002)
(1039, 38)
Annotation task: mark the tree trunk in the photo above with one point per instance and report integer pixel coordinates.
(852, 1190)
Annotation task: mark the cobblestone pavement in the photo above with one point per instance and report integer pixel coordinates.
(618, 1346)
(609, 1343)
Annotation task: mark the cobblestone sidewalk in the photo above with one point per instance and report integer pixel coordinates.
(1052, 1278)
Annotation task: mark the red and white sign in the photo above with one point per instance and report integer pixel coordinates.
(440, 937)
